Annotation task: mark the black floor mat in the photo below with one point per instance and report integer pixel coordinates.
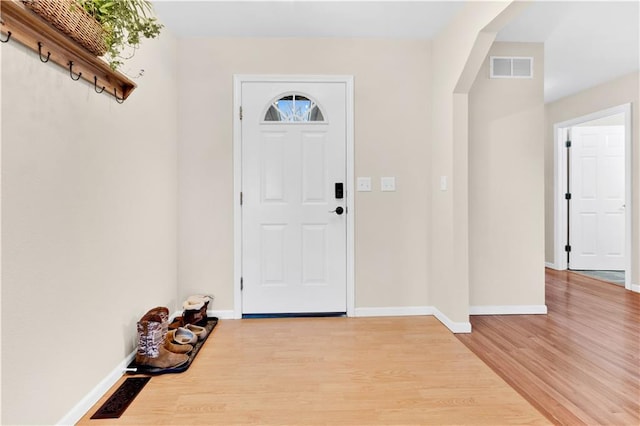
(121, 398)
(134, 368)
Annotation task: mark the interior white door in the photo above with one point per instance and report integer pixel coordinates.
(597, 206)
(293, 240)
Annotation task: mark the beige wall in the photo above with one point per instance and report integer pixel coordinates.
(506, 184)
(96, 209)
(88, 225)
(457, 54)
(392, 125)
(623, 90)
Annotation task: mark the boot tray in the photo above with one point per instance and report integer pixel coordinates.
(145, 369)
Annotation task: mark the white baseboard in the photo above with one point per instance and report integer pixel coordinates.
(508, 310)
(551, 265)
(394, 311)
(454, 327)
(85, 404)
(230, 314)
(398, 311)
(635, 287)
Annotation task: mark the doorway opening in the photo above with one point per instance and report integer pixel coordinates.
(593, 195)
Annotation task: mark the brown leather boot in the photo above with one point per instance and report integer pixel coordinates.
(164, 315)
(195, 309)
(151, 350)
(163, 312)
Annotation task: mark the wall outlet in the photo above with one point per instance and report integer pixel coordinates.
(443, 183)
(388, 183)
(364, 184)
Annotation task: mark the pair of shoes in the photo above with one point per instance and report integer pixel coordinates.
(187, 335)
(195, 309)
(168, 343)
(200, 332)
(152, 348)
(183, 336)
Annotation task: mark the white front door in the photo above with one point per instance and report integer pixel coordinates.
(294, 255)
(597, 206)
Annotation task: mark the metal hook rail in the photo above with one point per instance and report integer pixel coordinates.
(115, 95)
(71, 72)
(40, 53)
(20, 24)
(95, 85)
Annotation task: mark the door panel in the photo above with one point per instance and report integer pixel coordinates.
(272, 256)
(314, 168)
(597, 217)
(272, 167)
(314, 254)
(293, 247)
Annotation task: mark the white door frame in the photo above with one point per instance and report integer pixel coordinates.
(560, 180)
(238, 79)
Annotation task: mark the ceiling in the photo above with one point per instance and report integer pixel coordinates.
(586, 43)
(300, 18)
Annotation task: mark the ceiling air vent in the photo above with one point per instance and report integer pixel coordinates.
(511, 67)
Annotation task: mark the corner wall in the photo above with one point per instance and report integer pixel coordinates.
(88, 224)
(392, 124)
(506, 187)
(457, 54)
(623, 90)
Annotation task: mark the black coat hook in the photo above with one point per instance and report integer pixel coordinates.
(40, 53)
(95, 85)
(118, 100)
(8, 37)
(71, 72)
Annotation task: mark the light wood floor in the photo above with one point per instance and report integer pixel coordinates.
(580, 364)
(339, 371)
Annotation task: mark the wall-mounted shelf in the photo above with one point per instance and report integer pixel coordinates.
(22, 25)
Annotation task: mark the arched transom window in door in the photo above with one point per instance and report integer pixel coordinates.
(294, 108)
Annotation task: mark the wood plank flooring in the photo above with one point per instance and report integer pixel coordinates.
(339, 371)
(580, 364)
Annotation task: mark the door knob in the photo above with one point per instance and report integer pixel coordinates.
(339, 210)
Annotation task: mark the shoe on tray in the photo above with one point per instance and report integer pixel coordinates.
(183, 336)
(201, 332)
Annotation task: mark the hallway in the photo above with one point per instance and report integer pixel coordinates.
(580, 363)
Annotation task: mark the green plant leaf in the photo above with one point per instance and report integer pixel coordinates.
(125, 24)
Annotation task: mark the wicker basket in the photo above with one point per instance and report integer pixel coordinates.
(73, 21)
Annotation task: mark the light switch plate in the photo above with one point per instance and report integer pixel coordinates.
(364, 184)
(388, 183)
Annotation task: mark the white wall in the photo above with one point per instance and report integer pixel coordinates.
(506, 184)
(623, 90)
(89, 224)
(392, 126)
(612, 120)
